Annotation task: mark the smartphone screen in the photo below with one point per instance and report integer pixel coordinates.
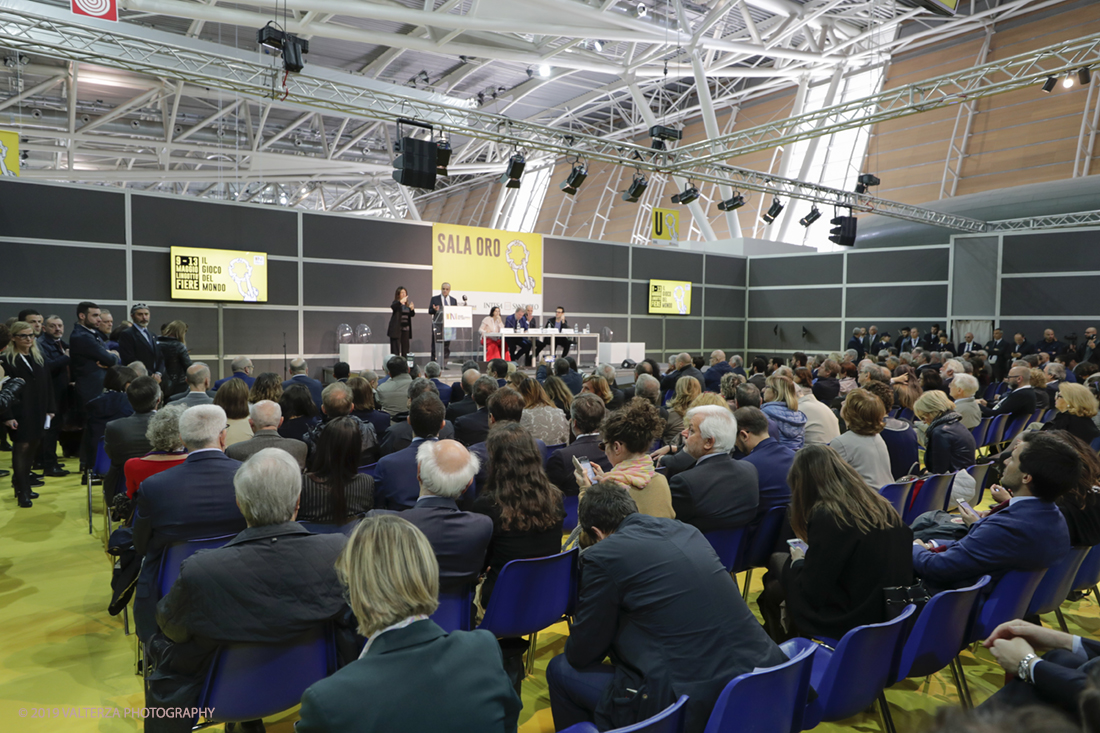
(965, 506)
(799, 544)
(587, 466)
(549, 359)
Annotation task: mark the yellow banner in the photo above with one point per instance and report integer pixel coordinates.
(489, 266)
(219, 274)
(670, 296)
(666, 226)
(9, 154)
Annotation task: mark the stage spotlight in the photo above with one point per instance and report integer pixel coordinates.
(843, 231)
(686, 196)
(640, 10)
(810, 218)
(734, 202)
(510, 177)
(1048, 85)
(544, 71)
(442, 157)
(575, 179)
(865, 181)
(598, 45)
(775, 210)
(636, 189)
(1068, 81)
(1084, 76)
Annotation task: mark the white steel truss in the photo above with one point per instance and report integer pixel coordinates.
(1054, 221)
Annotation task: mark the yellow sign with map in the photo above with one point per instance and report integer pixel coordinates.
(670, 296)
(219, 274)
(666, 227)
(490, 267)
(9, 154)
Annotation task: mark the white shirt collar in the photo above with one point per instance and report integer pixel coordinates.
(1015, 499)
(399, 625)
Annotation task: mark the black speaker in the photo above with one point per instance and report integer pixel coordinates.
(417, 163)
(629, 364)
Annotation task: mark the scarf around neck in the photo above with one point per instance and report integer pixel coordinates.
(633, 473)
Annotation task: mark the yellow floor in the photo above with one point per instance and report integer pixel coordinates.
(61, 652)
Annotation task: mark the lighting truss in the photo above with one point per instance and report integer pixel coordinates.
(1054, 221)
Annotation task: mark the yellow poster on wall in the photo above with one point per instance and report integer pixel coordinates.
(219, 274)
(490, 267)
(670, 296)
(666, 227)
(9, 154)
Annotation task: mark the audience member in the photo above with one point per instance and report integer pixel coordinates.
(780, 403)
(498, 368)
(166, 448)
(341, 370)
(649, 389)
(827, 387)
(474, 428)
(111, 405)
(597, 385)
(362, 399)
(558, 392)
(336, 401)
(772, 460)
(682, 367)
(618, 397)
(392, 396)
(1080, 505)
(758, 375)
(719, 368)
(266, 386)
(172, 344)
(948, 445)
(333, 489)
(242, 370)
(462, 407)
(392, 580)
(198, 386)
(862, 446)
(397, 484)
(432, 371)
(586, 414)
(541, 417)
(299, 412)
(684, 395)
(299, 374)
(962, 391)
(1037, 378)
(126, 438)
(1076, 409)
(265, 417)
(26, 416)
(632, 593)
(563, 372)
(400, 434)
(1019, 400)
(821, 423)
(232, 397)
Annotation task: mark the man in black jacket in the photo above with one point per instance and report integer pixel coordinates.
(683, 368)
(998, 350)
(400, 435)
(644, 576)
(717, 492)
(270, 584)
(586, 412)
(474, 428)
(56, 353)
(125, 438)
(90, 357)
(1019, 401)
(138, 343)
(461, 407)
(1020, 347)
(857, 344)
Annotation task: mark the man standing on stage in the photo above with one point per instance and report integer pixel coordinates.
(435, 310)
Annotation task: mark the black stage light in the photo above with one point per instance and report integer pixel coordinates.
(866, 181)
(442, 157)
(773, 211)
(1048, 85)
(843, 231)
(810, 218)
(1084, 76)
(636, 188)
(686, 196)
(575, 179)
(511, 175)
(734, 202)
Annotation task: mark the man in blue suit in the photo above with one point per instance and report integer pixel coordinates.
(242, 370)
(1029, 534)
(395, 480)
(299, 374)
(192, 500)
(401, 432)
(772, 460)
(518, 348)
(719, 368)
(562, 371)
(856, 342)
(89, 356)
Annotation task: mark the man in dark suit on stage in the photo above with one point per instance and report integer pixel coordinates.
(559, 323)
(999, 359)
(587, 412)
(435, 310)
(90, 358)
(56, 354)
(474, 428)
(518, 348)
(717, 492)
(138, 343)
(193, 499)
(125, 438)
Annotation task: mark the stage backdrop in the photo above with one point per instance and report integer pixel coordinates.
(490, 267)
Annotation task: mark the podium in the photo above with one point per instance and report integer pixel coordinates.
(452, 330)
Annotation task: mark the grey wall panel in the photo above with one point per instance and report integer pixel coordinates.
(725, 270)
(282, 282)
(821, 336)
(898, 302)
(657, 264)
(649, 332)
(257, 330)
(725, 335)
(366, 287)
(371, 240)
(724, 303)
(811, 302)
(799, 270)
(898, 265)
(58, 212)
(617, 326)
(571, 257)
(683, 334)
(1051, 252)
(584, 296)
(166, 222)
(47, 271)
(202, 327)
(152, 278)
(1054, 296)
(974, 281)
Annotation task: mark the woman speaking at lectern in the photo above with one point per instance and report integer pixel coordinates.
(400, 330)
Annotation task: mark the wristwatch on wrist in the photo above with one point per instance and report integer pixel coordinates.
(1024, 670)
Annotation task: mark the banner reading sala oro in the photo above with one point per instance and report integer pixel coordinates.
(489, 266)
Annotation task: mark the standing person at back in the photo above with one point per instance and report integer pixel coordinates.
(138, 343)
(299, 374)
(172, 344)
(89, 355)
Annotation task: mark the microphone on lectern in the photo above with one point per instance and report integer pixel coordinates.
(463, 300)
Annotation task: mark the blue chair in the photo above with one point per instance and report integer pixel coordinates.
(771, 699)
(937, 636)
(760, 542)
(1008, 600)
(571, 503)
(1049, 415)
(980, 473)
(370, 470)
(1014, 427)
(551, 450)
(1087, 578)
(730, 545)
(898, 495)
(906, 414)
(979, 431)
(851, 677)
(995, 434)
(1096, 444)
(992, 390)
(253, 681)
(902, 446)
(322, 528)
(669, 720)
(455, 610)
(99, 467)
(174, 555)
(933, 494)
(1056, 585)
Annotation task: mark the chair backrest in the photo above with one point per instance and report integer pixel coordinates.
(902, 447)
(102, 460)
(253, 681)
(1014, 427)
(551, 450)
(1008, 600)
(938, 633)
(996, 431)
(979, 431)
(906, 414)
(933, 494)
(1096, 444)
(730, 546)
(369, 470)
(898, 495)
(771, 699)
(669, 720)
(1049, 415)
(174, 555)
(765, 534)
(1057, 583)
(454, 611)
(980, 473)
(532, 594)
(571, 503)
(1088, 575)
(990, 391)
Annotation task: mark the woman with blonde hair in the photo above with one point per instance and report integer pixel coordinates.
(948, 445)
(1037, 378)
(684, 394)
(710, 398)
(780, 403)
(541, 417)
(233, 398)
(173, 346)
(597, 385)
(1077, 406)
(26, 416)
(392, 579)
(559, 393)
(862, 446)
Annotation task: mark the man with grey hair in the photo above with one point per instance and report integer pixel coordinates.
(198, 387)
(738, 364)
(648, 388)
(265, 417)
(432, 372)
(963, 389)
(271, 583)
(718, 368)
(950, 369)
(242, 370)
(682, 367)
(139, 368)
(299, 374)
(337, 401)
(191, 500)
(856, 343)
(718, 492)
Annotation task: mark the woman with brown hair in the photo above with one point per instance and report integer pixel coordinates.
(862, 446)
(907, 389)
(334, 490)
(173, 346)
(267, 386)
(597, 385)
(857, 545)
(400, 328)
(542, 419)
(559, 393)
(365, 408)
(232, 397)
(526, 509)
(1037, 378)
